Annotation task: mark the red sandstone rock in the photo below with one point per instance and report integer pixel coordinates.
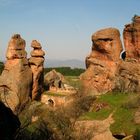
(131, 35)
(127, 78)
(102, 62)
(36, 63)
(16, 78)
(16, 48)
(35, 44)
(37, 53)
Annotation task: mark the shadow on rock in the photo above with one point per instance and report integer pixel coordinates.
(9, 123)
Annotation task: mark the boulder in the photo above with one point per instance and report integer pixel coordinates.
(16, 78)
(37, 53)
(95, 130)
(54, 79)
(102, 62)
(35, 44)
(36, 63)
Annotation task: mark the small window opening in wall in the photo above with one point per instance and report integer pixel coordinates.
(51, 102)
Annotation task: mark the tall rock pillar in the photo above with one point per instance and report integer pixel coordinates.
(102, 62)
(36, 63)
(16, 78)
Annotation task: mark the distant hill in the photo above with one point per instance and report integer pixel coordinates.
(73, 63)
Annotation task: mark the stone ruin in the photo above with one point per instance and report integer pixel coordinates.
(106, 71)
(21, 78)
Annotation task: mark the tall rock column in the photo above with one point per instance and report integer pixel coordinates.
(16, 78)
(36, 63)
(131, 35)
(128, 73)
(102, 62)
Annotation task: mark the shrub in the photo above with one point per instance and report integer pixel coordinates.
(53, 124)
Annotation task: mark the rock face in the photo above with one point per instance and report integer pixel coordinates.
(105, 70)
(128, 73)
(131, 35)
(102, 62)
(36, 63)
(128, 77)
(16, 78)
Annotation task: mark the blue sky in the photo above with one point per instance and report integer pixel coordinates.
(63, 27)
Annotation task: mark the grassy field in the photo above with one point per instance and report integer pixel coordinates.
(73, 81)
(124, 109)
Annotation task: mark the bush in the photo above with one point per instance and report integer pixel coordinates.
(53, 123)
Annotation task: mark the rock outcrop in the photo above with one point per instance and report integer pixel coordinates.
(128, 72)
(95, 130)
(102, 62)
(16, 78)
(53, 80)
(128, 77)
(105, 70)
(36, 63)
(131, 35)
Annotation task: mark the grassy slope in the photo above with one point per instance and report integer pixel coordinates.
(123, 116)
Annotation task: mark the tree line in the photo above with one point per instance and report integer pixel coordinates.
(66, 71)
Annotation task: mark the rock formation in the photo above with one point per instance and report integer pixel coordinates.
(36, 63)
(131, 35)
(16, 78)
(54, 79)
(128, 77)
(128, 72)
(105, 70)
(102, 62)
(95, 130)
